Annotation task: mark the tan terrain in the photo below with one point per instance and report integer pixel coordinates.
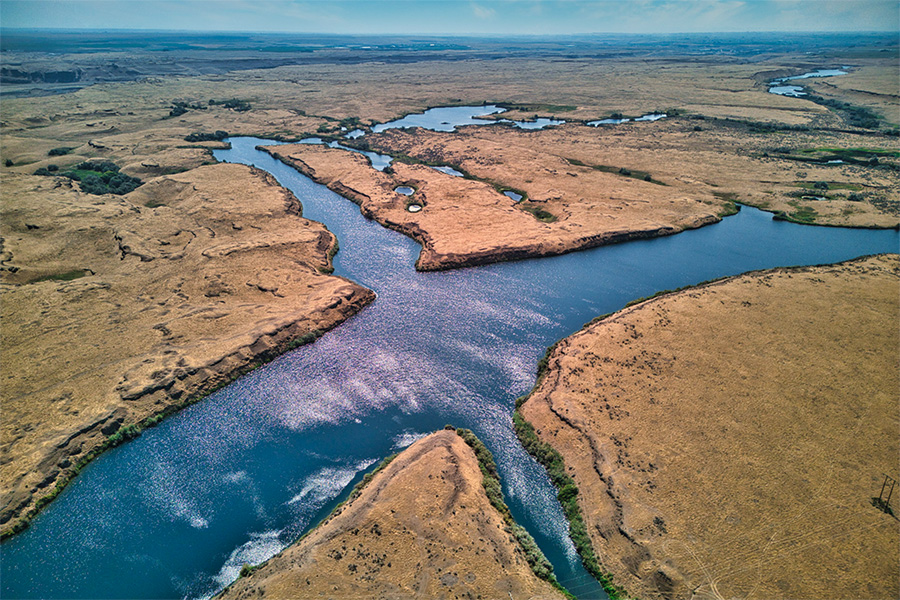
(422, 528)
(573, 170)
(727, 440)
(119, 308)
(463, 222)
(134, 122)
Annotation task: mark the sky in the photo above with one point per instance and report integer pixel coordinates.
(457, 17)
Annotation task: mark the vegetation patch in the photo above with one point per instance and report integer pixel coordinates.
(804, 215)
(550, 108)
(217, 136)
(731, 208)
(623, 171)
(539, 564)
(568, 498)
(854, 152)
(855, 116)
(234, 104)
(61, 151)
(539, 213)
(828, 185)
(67, 276)
(97, 177)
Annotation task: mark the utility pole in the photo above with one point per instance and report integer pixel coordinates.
(885, 503)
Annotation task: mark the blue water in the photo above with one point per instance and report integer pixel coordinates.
(647, 117)
(444, 118)
(236, 477)
(796, 91)
(449, 171)
(540, 123)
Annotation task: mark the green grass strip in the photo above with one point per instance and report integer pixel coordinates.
(539, 564)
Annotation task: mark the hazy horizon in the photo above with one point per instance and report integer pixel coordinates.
(456, 17)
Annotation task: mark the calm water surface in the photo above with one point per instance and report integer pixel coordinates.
(777, 86)
(238, 476)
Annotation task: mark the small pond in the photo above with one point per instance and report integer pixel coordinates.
(777, 86)
(449, 171)
(539, 123)
(445, 118)
(405, 190)
(611, 121)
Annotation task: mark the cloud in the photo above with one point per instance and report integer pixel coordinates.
(483, 12)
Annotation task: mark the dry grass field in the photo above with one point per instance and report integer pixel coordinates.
(119, 308)
(106, 300)
(695, 167)
(727, 440)
(422, 528)
(463, 222)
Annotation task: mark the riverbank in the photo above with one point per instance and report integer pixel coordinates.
(466, 222)
(424, 526)
(118, 311)
(847, 179)
(771, 396)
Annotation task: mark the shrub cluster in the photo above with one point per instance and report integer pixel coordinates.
(490, 481)
(97, 177)
(234, 104)
(59, 151)
(109, 182)
(568, 498)
(206, 137)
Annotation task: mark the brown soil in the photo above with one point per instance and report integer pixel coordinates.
(422, 528)
(465, 222)
(727, 440)
(118, 308)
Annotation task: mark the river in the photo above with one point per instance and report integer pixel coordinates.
(235, 478)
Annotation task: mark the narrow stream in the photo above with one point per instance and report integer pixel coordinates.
(237, 477)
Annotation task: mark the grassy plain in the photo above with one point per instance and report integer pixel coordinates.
(466, 222)
(120, 308)
(88, 280)
(727, 440)
(423, 527)
(696, 166)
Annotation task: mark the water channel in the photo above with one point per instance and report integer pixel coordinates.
(237, 477)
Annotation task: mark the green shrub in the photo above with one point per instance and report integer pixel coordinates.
(568, 498)
(490, 481)
(9, 162)
(247, 570)
(61, 151)
(206, 137)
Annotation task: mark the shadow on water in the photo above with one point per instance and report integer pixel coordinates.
(237, 477)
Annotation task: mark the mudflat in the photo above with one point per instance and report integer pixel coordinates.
(423, 527)
(118, 309)
(727, 440)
